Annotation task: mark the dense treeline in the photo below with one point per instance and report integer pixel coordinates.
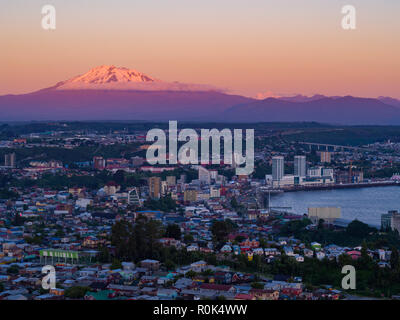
(165, 204)
(353, 136)
(69, 156)
(95, 181)
(354, 234)
(383, 173)
(140, 241)
(8, 130)
(8, 194)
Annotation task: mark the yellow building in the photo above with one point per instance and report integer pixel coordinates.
(154, 187)
(190, 196)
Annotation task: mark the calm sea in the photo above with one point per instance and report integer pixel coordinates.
(364, 204)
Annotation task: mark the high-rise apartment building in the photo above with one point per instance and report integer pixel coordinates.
(10, 160)
(278, 168)
(154, 187)
(325, 157)
(300, 166)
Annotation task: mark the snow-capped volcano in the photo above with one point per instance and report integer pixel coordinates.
(108, 74)
(118, 78)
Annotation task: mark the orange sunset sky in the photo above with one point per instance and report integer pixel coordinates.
(249, 47)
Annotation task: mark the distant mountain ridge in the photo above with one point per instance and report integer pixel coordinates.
(339, 110)
(390, 101)
(117, 105)
(301, 98)
(112, 93)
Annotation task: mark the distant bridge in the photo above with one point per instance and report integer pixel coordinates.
(333, 147)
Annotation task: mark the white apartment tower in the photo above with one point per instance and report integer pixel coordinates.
(278, 168)
(300, 166)
(204, 175)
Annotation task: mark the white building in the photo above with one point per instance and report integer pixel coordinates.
(285, 181)
(204, 175)
(214, 192)
(300, 166)
(278, 168)
(133, 197)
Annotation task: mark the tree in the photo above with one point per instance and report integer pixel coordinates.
(221, 229)
(34, 240)
(18, 220)
(166, 204)
(59, 233)
(8, 194)
(76, 292)
(13, 269)
(121, 238)
(119, 177)
(358, 229)
(394, 259)
(240, 239)
(103, 255)
(234, 203)
(170, 265)
(173, 231)
(153, 233)
(116, 264)
(137, 241)
(207, 272)
(188, 238)
(263, 243)
(257, 285)
(190, 274)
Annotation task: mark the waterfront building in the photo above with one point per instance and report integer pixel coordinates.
(300, 166)
(328, 214)
(278, 168)
(320, 172)
(347, 177)
(391, 220)
(285, 181)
